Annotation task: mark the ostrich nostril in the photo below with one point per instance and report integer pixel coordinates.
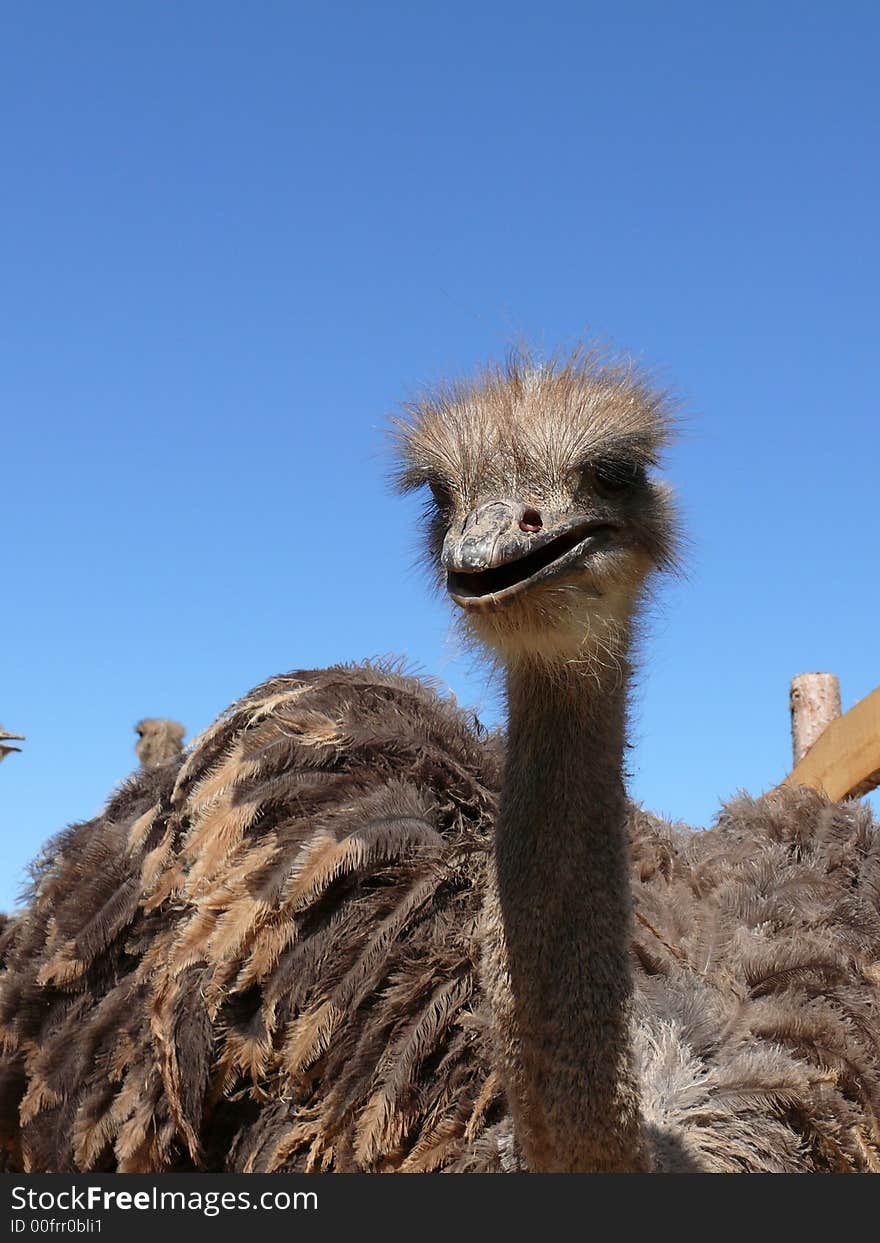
(531, 521)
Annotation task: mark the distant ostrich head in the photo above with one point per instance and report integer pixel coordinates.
(5, 738)
(544, 522)
(159, 740)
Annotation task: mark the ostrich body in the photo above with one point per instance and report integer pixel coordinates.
(349, 931)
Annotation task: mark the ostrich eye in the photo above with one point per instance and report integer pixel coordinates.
(441, 494)
(617, 476)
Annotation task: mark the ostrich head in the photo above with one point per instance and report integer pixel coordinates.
(543, 520)
(5, 739)
(159, 741)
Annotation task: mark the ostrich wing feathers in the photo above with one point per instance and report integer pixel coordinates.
(264, 956)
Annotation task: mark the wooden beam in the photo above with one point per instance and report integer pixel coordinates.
(844, 761)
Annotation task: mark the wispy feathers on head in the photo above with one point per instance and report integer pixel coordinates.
(573, 437)
(557, 413)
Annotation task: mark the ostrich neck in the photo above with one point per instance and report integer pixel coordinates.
(559, 925)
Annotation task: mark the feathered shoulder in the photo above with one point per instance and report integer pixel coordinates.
(245, 961)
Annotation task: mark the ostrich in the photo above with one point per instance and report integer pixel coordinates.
(5, 739)
(350, 931)
(159, 740)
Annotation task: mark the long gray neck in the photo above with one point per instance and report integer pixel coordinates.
(558, 929)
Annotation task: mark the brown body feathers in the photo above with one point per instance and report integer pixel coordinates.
(265, 958)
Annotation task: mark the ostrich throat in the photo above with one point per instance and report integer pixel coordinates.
(559, 922)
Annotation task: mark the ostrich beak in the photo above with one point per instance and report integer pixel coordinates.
(6, 737)
(503, 548)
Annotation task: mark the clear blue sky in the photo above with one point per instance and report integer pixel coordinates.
(233, 236)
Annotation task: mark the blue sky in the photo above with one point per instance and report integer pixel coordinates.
(234, 236)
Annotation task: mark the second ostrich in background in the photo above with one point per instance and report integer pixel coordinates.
(159, 740)
(345, 932)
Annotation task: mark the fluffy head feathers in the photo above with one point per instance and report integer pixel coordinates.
(570, 436)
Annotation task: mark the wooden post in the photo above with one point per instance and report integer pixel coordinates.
(815, 702)
(844, 761)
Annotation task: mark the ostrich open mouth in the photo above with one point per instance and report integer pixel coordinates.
(554, 556)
